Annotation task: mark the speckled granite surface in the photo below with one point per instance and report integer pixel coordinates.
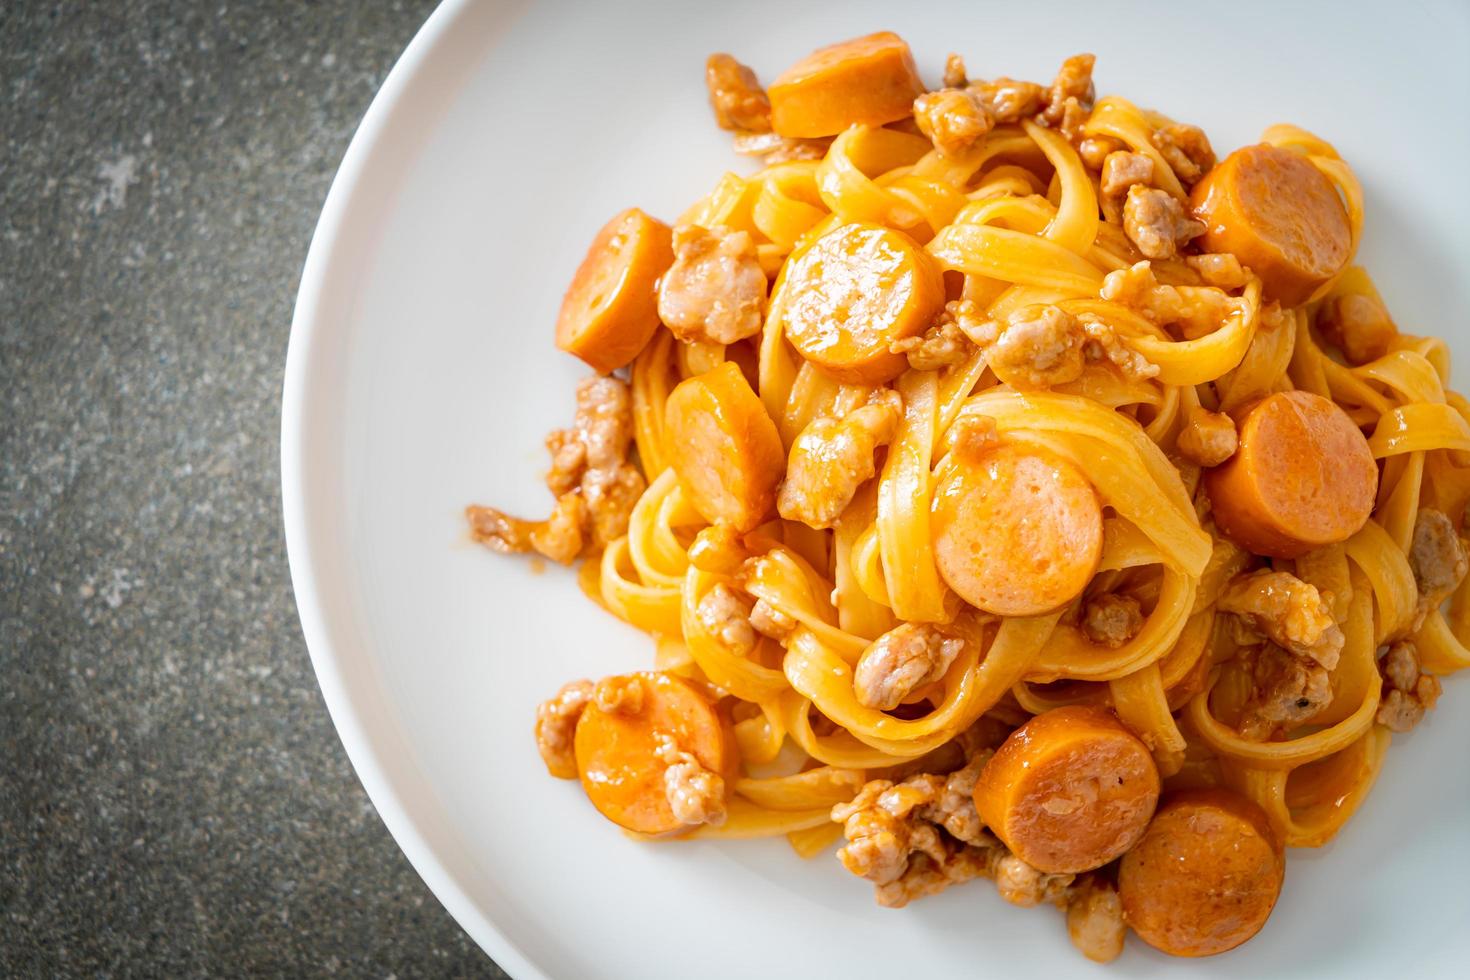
(173, 798)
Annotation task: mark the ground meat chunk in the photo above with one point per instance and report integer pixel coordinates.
(595, 487)
(1111, 620)
(1041, 346)
(974, 436)
(769, 621)
(919, 836)
(1186, 149)
(773, 148)
(718, 549)
(1401, 666)
(1094, 150)
(1408, 692)
(943, 344)
(1104, 344)
(1020, 884)
(1357, 325)
(1289, 612)
(568, 460)
(900, 662)
(1095, 919)
(736, 95)
(725, 614)
(954, 72)
(601, 433)
(560, 537)
(619, 695)
(499, 531)
(1120, 171)
(1157, 223)
(881, 831)
(832, 458)
(1009, 100)
(927, 875)
(1070, 97)
(556, 722)
(971, 321)
(604, 420)
(1074, 117)
(715, 292)
(695, 794)
(1196, 310)
(1399, 712)
(1437, 558)
(610, 496)
(1286, 691)
(954, 119)
(1218, 269)
(1208, 438)
(954, 804)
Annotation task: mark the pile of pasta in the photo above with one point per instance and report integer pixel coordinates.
(884, 544)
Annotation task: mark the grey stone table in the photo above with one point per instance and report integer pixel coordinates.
(173, 798)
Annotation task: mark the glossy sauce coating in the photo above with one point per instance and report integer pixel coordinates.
(617, 751)
(1017, 532)
(1205, 876)
(854, 292)
(1070, 790)
(1302, 477)
(610, 311)
(869, 81)
(1278, 215)
(724, 448)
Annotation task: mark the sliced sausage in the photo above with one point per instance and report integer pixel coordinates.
(1017, 532)
(1278, 215)
(622, 747)
(1301, 477)
(610, 311)
(1205, 875)
(724, 448)
(869, 81)
(1070, 790)
(853, 293)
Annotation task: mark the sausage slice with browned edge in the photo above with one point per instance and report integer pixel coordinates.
(724, 448)
(1070, 790)
(1017, 532)
(610, 311)
(1302, 477)
(866, 81)
(1278, 215)
(1205, 876)
(855, 291)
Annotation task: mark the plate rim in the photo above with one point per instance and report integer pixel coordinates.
(409, 74)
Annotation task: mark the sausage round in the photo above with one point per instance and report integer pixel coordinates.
(1070, 790)
(1302, 477)
(1017, 532)
(1205, 876)
(869, 81)
(1278, 215)
(724, 448)
(854, 292)
(618, 750)
(610, 311)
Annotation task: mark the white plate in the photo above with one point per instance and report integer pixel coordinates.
(422, 376)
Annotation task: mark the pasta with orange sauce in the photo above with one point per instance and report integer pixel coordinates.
(1013, 491)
